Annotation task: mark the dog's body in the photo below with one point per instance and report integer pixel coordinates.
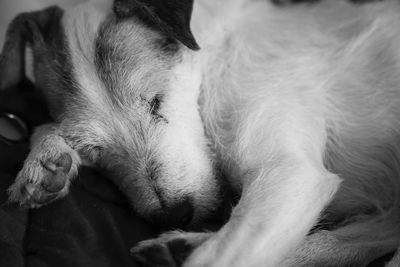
(297, 100)
(301, 104)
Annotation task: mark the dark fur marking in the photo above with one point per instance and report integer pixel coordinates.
(155, 104)
(115, 58)
(169, 46)
(169, 17)
(43, 31)
(58, 84)
(108, 60)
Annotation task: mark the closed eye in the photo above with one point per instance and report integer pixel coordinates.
(155, 104)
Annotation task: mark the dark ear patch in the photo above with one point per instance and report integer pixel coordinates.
(168, 45)
(31, 28)
(171, 17)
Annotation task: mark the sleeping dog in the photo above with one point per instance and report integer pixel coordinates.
(297, 104)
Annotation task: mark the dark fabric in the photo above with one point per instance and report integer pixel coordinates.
(92, 226)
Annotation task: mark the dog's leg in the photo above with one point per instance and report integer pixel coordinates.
(274, 215)
(285, 186)
(48, 170)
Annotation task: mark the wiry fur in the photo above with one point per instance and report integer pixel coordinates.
(115, 72)
(301, 104)
(291, 98)
(118, 66)
(43, 166)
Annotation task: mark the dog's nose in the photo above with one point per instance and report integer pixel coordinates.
(178, 215)
(182, 212)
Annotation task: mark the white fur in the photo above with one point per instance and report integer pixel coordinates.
(301, 105)
(286, 94)
(47, 147)
(395, 261)
(121, 124)
(185, 125)
(81, 24)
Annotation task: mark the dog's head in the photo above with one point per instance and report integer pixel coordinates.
(122, 80)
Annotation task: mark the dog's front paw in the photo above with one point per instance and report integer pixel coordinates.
(45, 177)
(169, 250)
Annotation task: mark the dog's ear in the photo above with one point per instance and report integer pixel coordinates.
(33, 29)
(172, 17)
